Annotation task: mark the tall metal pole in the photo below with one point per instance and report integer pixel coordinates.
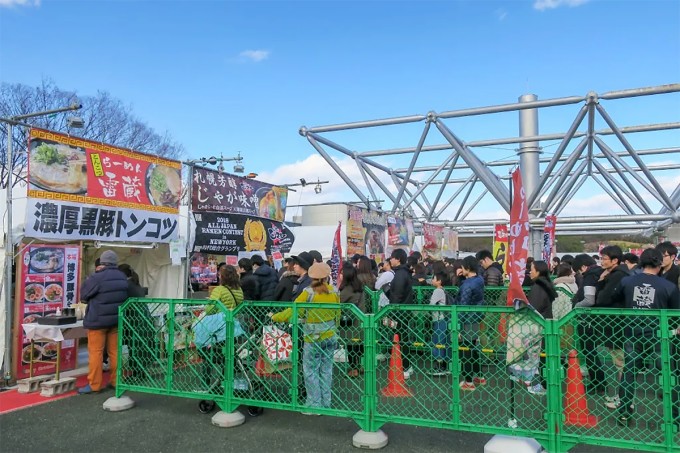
(9, 260)
(529, 163)
(187, 262)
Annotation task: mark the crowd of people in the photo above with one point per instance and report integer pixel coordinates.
(611, 279)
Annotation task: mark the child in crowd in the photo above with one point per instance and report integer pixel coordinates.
(441, 350)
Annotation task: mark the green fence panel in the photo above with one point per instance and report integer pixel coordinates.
(562, 382)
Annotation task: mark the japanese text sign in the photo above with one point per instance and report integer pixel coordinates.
(214, 191)
(518, 239)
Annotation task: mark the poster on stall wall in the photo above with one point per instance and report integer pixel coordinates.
(214, 191)
(203, 269)
(450, 243)
(500, 246)
(81, 189)
(397, 231)
(433, 236)
(549, 237)
(355, 231)
(230, 234)
(49, 280)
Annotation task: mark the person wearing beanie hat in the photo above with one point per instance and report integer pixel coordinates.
(103, 292)
(316, 256)
(319, 335)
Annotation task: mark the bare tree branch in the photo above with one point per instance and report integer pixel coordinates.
(107, 120)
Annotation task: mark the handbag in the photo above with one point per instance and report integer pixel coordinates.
(277, 344)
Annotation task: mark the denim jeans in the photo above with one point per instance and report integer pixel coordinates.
(317, 365)
(440, 336)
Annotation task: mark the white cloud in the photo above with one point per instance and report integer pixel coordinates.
(253, 55)
(501, 14)
(542, 5)
(13, 3)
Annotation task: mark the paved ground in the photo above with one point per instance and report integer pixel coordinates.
(164, 424)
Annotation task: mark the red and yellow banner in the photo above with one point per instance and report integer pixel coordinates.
(77, 170)
(500, 246)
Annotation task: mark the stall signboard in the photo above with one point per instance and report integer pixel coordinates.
(81, 189)
(450, 243)
(433, 235)
(229, 234)
(49, 280)
(398, 232)
(203, 269)
(500, 245)
(215, 191)
(366, 232)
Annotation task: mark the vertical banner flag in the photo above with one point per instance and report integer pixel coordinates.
(518, 239)
(500, 246)
(432, 239)
(549, 237)
(336, 254)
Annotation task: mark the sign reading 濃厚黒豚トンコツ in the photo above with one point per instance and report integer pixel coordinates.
(81, 189)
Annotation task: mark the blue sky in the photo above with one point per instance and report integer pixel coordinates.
(226, 76)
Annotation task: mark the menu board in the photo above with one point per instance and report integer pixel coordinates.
(81, 189)
(50, 276)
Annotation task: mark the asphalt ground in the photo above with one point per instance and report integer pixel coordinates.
(170, 424)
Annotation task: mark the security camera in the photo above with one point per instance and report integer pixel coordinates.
(220, 168)
(303, 182)
(75, 122)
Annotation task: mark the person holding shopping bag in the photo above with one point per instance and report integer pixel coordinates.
(319, 332)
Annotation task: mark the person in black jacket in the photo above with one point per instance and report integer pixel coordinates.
(669, 270)
(267, 278)
(542, 292)
(493, 272)
(103, 292)
(401, 292)
(249, 284)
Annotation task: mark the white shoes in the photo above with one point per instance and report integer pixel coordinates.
(408, 372)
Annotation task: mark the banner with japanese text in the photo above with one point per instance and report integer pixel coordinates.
(366, 232)
(49, 280)
(336, 254)
(75, 172)
(398, 232)
(214, 191)
(549, 237)
(500, 246)
(518, 239)
(52, 219)
(229, 234)
(433, 236)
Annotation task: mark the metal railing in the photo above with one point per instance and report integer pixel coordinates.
(528, 385)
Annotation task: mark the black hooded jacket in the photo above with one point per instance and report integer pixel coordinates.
(604, 297)
(401, 287)
(267, 279)
(541, 296)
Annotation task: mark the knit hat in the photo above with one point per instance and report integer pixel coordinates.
(109, 257)
(319, 270)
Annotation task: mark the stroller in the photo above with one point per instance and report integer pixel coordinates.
(210, 339)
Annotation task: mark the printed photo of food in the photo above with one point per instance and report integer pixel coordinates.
(57, 167)
(164, 185)
(46, 260)
(34, 293)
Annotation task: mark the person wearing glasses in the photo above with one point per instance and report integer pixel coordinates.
(669, 270)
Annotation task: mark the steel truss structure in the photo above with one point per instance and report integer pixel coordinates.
(459, 177)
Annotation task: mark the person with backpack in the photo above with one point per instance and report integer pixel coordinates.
(471, 294)
(441, 346)
(320, 335)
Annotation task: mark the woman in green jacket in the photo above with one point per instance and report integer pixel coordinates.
(320, 339)
(229, 292)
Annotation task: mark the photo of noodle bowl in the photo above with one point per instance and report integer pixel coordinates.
(163, 185)
(26, 353)
(53, 292)
(34, 292)
(57, 167)
(49, 350)
(29, 319)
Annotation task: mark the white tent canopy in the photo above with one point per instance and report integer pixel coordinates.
(318, 238)
(153, 265)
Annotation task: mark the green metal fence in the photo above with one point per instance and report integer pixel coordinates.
(530, 384)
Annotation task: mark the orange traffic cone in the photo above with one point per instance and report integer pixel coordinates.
(261, 369)
(576, 406)
(395, 377)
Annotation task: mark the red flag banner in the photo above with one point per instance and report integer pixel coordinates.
(518, 239)
(336, 254)
(549, 237)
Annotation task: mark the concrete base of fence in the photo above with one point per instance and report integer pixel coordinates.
(370, 440)
(114, 404)
(228, 420)
(504, 444)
